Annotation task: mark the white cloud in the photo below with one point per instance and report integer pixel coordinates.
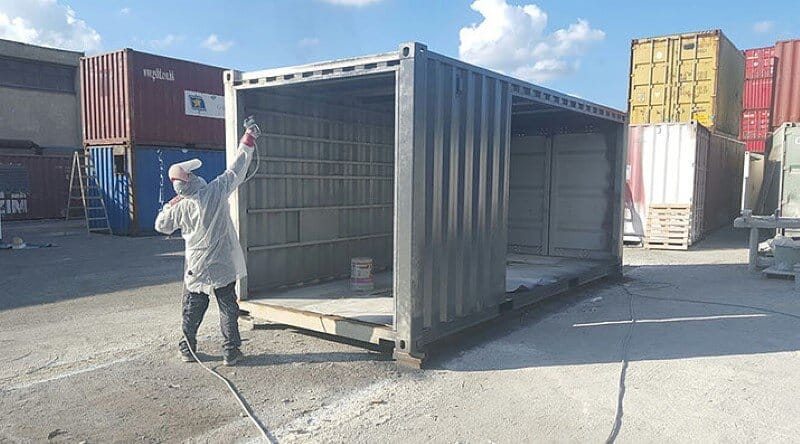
(46, 23)
(763, 26)
(125, 11)
(215, 44)
(167, 41)
(352, 2)
(513, 40)
(308, 42)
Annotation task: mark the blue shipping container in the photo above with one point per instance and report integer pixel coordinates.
(133, 209)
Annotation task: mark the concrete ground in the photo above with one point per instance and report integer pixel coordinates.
(88, 333)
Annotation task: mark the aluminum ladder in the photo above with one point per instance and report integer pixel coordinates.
(85, 189)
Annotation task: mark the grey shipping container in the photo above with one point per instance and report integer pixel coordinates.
(472, 192)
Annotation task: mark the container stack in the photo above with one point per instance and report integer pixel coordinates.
(684, 160)
(141, 113)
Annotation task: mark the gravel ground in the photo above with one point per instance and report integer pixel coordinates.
(88, 334)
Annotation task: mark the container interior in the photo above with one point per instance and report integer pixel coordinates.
(325, 195)
(561, 196)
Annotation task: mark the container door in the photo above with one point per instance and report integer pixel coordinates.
(790, 185)
(529, 190)
(581, 202)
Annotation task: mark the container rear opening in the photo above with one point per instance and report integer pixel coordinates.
(561, 197)
(324, 195)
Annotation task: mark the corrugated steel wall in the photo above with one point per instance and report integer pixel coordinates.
(105, 99)
(529, 194)
(667, 164)
(581, 212)
(759, 84)
(787, 143)
(451, 233)
(324, 192)
(723, 194)
(152, 186)
(130, 97)
(787, 83)
(694, 76)
(115, 187)
(48, 177)
(158, 115)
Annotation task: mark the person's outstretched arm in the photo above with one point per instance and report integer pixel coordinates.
(234, 175)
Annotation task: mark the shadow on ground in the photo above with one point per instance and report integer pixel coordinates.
(80, 265)
(680, 311)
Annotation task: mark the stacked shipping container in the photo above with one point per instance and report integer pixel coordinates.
(685, 110)
(143, 112)
(685, 77)
(787, 83)
(757, 99)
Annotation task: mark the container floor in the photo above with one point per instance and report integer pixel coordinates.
(529, 272)
(338, 299)
(524, 274)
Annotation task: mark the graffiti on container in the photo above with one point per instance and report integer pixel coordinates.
(159, 74)
(13, 203)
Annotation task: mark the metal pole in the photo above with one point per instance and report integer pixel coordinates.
(753, 253)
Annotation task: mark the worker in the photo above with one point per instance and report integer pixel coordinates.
(214, 259)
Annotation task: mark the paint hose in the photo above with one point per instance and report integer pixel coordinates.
(239, 398)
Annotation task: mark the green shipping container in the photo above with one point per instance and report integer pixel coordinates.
(786, 147)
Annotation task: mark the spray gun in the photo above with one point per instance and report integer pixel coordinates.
(248, 141)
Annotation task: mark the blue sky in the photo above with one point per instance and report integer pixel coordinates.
(251, 35)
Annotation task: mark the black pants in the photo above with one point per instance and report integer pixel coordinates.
(195, 306)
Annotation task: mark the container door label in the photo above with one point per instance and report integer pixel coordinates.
(204, 105)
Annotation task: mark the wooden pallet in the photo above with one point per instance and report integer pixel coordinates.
(669, 227)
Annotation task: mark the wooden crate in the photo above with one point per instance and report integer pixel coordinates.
(669, 227)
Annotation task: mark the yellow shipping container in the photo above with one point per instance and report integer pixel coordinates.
(696, 76)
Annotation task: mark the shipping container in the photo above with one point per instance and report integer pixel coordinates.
(755, 124)
(426, 165)
(787, 83)
(786, 147)
(682, 164)
(757, 100)
(135, 184)
(759, 63)
(135, 98)
(695, 76)
(48, 183)
(758, 146)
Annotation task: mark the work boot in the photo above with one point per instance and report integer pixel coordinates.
(232, 356)
(186, 354)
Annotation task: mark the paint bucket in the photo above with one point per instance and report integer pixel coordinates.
(361, 274)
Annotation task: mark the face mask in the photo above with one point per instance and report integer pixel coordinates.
(194, 185)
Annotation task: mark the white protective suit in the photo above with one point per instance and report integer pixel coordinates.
(214, 256)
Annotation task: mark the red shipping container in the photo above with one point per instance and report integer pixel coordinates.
(757, 93)
(130, 97)
(759, 63)
(755, 124)
(48, 177)
(787, 83)
(756, 146)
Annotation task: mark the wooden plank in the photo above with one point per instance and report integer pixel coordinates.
(329, 324)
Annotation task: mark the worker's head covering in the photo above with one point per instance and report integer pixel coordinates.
(183, 180)
(181, 170)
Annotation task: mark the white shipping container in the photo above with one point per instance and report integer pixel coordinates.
(682, 164)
